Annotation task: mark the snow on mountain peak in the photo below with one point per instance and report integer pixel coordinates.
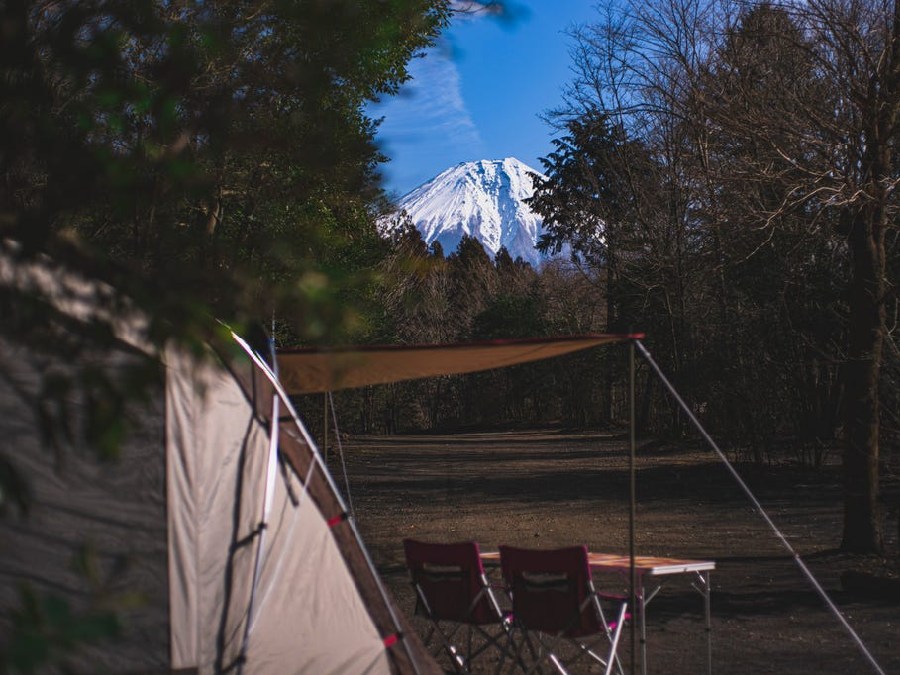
(482, 199)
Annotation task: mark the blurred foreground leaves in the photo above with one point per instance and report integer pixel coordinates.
(182, 161)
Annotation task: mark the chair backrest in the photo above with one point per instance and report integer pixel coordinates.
(551, 589)
(450, 579)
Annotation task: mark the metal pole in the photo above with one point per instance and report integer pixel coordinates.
(325, 429)
(707, 611)
(267, 498)
(632, 499)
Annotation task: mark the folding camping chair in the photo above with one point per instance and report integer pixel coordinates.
(554, 601)
(453, 592)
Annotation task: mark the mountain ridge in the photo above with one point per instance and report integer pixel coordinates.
(484, 199)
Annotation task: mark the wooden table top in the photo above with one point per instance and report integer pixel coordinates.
(644, 564)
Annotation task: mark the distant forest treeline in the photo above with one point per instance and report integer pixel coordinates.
(760, 382)
(429, 298)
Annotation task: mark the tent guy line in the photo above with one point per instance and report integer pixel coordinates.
(340, 444)
(823, 594)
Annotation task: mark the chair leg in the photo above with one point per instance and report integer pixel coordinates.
(556, 662)
(614, 643)
(515, 651)
(463, 651)
(543, 653)
(609, 660)
(456, 659)
(509, 649)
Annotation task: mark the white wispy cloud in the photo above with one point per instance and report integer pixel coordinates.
(427, 126)
(434, 99)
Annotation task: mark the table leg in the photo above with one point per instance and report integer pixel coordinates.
(706, 606)
(704, 588)
(642, 619)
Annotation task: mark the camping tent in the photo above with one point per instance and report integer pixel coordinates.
(219, 534)
(217, 558)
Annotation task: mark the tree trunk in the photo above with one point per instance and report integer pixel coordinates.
(612, 326)
(866, 237)
(862, 519)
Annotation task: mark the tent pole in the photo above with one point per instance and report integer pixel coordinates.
(632, 501)
(325, 428)
(267, 498)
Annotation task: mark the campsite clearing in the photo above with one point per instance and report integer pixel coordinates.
(550, 488)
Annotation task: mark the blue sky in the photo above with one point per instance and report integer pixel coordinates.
(480, 93)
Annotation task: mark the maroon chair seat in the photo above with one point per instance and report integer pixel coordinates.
(452, 592)
(553, 596)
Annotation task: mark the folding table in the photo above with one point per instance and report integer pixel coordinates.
(657, 569)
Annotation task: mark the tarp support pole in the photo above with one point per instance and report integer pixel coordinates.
(325, 428)
(632, 501)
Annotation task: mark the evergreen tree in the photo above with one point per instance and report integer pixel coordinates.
(204, 154)
(203, 159)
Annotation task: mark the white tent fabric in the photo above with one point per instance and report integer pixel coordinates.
(309, 616)
(306, 602)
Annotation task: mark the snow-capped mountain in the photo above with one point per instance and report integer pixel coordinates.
(483, 199)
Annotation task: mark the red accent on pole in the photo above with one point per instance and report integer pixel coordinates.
(336, 520)
(391, 640)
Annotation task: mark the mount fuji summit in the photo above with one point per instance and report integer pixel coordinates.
(483, 199)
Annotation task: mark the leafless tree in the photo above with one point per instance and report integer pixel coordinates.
(771, 116)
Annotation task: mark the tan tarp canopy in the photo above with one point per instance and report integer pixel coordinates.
(310, 371)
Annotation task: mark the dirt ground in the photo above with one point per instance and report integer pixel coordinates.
(547, 489)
